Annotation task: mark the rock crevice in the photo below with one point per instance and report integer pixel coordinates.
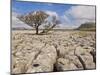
(60, 51)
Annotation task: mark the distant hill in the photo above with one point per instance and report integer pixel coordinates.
(91, 26)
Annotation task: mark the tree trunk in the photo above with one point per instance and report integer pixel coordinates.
(47, 30)
(37, 29)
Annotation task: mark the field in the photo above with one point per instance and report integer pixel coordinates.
(56, 51)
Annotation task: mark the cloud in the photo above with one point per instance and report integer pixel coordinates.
(77, 15)
(71, 18)
(51, 13)
(16, 23)
(82, 12)
(50, 4)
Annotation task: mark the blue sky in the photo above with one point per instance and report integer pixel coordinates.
(25, 7)
(70, 15)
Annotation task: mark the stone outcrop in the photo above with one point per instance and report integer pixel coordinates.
(58, 51)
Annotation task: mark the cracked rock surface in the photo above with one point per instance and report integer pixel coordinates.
(57, 51)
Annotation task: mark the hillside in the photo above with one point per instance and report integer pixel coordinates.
(87, 26)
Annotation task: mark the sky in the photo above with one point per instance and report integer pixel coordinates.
(70, 15)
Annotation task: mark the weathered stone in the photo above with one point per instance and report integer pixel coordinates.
(19, 67)
(58, 51)
(81, 51)
(74, 60)
(88, 60)
(44, 60)
(65, 64)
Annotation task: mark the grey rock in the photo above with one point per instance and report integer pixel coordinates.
(65, 64)
(44, 61)
(88, 60)
(74, 59)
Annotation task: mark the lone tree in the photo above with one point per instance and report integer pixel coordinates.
(34, 19)
(50, 25)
